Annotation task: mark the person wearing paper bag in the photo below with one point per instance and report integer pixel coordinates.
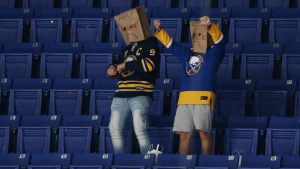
(198, 82)
(137, 69)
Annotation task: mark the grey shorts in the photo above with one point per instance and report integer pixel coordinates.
(193, 116)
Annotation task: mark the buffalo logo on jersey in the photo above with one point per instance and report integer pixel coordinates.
(194, 65)
(129, 58)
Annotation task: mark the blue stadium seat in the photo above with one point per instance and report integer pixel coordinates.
(83, 84)
(240, 141)
(175, 161)
(74, 48)
(116, 4)
(247, 122)
(94, 65)
(272, 85)
(95, 161)
(77, 4)
(105, 144)
(65, 102)
(285, 12)
(195, 145)
(162, 136)
(195, 3)
(270, 103)
(160, 12)
(230, 103)
(155, 3)
(46, 13)
(49, 161)
(21, 83)
(157, 105)
(40, 121)
(100, 101)
(74, 139)
(7, 4)
(33, 140)
(105, 84)
(13, 161)
(172, 25)
(214, 13)
(16, 13)
(86, 30)
(290, 66)
(38, 3)
(245, 30)
(297, 104)
(174, 100)
(56, 65)
(133, 161)
(234, 3)
(4, 139)
(262, 161)
(236, 84)
(11, 30)
(114, 48)
(25, 102)
(250, 13)
(9, 121)
(257, 66)
(16, 65)
(81, 121)
(226, 68)
(164, 84)
(284, 122)
(282, 142)
(217, 161)
(290, 161)
(34, 48)
(284, 30)
(273, 3)
(5, 85)
(83, 12)
(46, 30)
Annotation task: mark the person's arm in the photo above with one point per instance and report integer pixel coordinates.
(219, 43)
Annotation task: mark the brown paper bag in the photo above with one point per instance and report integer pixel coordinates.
(199, 36)
(133, 25)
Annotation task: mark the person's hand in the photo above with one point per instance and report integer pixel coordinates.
(156, 24)
(121, 67)
(112, 70)
(205, 20)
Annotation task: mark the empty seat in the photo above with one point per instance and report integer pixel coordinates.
(116, 4)
(4, 139)
(94, 65)
(155, 3)
(25, 102)
(105, 144)
(105, 84)
(114, 48)
(65, 102)
(284, 122)
(282, 142)
(56, 65)
(11, 30)
(77, 4)
(100, 101)
(245, 30)
(38, 3)
(40, 121)
(226, 67)
(290, 66)
(195, 3)
(34, 48)
(86, 30)
(16, 65)
(270, 103)
(232, 85)
(284, 30)
(160, 12)
(164, 84)
(240, 141)
(74, 48)
(82, 121)
(83, 84)
(74, 139)
(157, 104)
(172, 25)
(213, 13)
(230, 103)
(262, 161)
(95, 161)
(21, 83)
(9, 121)
(7, 4)
(273, 3)
(49, 161)
(33, 140)
(257, 66)
(15, 13)
(285, 12)
(272, 85)
(250, 13)
(83, 12)
(162, 136)
(13, 161)
(195, 144)
(217, 161)
(46, 30)
(247, 122)
(234, 3)
(64, 13)
(133, 161)
(290, 161)
(175, 160)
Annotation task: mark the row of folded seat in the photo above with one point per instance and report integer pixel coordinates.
(149, 3)
(144, 161)
(83, 134)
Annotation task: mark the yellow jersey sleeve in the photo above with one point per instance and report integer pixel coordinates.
(163, 36)
(215, 33)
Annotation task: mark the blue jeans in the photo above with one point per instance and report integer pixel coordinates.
(120, 110)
